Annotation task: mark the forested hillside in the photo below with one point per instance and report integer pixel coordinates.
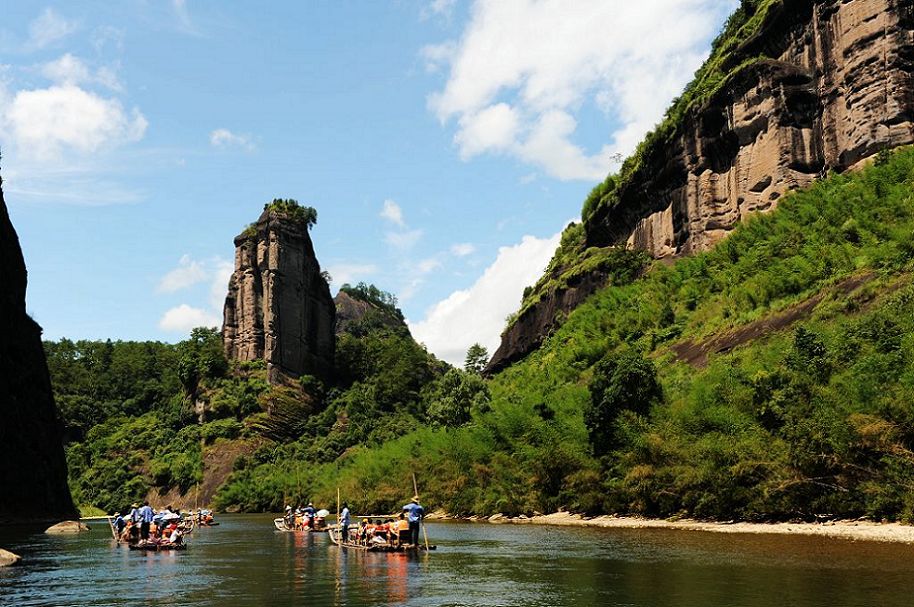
(769, 378)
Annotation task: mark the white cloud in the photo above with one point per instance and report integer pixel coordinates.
(392, 212)
(44, 122)
(403, 240)
(187, 274)
(70, 70)
(492, 129)
(439, 8)
(66, 70)
(221, 271)
(478, 314)
(463, 249)
(49, 27)
(184, 22)
(343, 273)
(226, 138)
(523, 69)
(183, 318)
(428, 265)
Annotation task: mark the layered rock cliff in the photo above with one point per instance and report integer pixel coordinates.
(818, 86)
(834, 85)
(279, 307)
(33, 471)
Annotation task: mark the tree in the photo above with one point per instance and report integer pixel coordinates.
(621, 382)
(200, 357)
(476, 360)
(452, 399)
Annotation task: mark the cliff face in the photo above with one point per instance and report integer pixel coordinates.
(838, 87)
(535, 324)
(278, 306)
(824, 85)
(33, 471)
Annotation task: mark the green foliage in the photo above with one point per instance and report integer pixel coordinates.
(372, 295)
(454, 397)
(573, 261)
(290, 209)
(814, 420)
(810, 420)
(201, 358)
(476, 359)
(621, 382)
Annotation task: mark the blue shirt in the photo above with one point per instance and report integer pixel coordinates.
(415, 512)
(308, 510)
(135, 515)
(146, 514)
(344, 517)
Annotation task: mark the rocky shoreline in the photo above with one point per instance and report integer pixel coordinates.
(855, 530)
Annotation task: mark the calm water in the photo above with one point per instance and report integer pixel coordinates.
(245, 562)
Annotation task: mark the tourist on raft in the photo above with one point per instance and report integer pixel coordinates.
(414, 514)
(119, 524)
(135, 519)
(146, 516)
(402, 530)
(309, 515)
(344, 523)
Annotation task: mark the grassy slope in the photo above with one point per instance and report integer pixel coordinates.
(778, 428)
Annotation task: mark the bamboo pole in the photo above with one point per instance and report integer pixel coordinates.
(422, 520)
(339, 527)
(113, 531)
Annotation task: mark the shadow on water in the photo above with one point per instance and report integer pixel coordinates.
(245, 562)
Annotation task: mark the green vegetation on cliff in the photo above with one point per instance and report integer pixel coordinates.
(806, 418)
(769, 378)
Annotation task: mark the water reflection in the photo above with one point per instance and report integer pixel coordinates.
(246, 562)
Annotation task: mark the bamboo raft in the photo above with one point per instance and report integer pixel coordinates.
(280, 524)
(186, 526)
(376, 547)
(157, 547)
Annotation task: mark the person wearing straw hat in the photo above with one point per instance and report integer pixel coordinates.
(414, 514)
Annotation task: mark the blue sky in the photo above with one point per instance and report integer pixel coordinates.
(444, 144)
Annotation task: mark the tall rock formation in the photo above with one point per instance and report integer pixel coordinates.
(278, 307)
(33, 471)
(821, 86)
(837, 86)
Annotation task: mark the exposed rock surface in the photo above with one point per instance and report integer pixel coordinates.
(67, 527)
(8, 558)
(278, 307)
(837, 89)
(540, 320)
(33, 471)
(353, 314)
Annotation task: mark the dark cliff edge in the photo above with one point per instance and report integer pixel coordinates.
(819, 86)
(33, 470)
(278, 306)
(537, 322)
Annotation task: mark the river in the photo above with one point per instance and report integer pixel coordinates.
(245, 562)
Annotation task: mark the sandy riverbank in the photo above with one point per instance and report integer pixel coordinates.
(848, 530)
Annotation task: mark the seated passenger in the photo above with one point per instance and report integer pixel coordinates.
(402, 527)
